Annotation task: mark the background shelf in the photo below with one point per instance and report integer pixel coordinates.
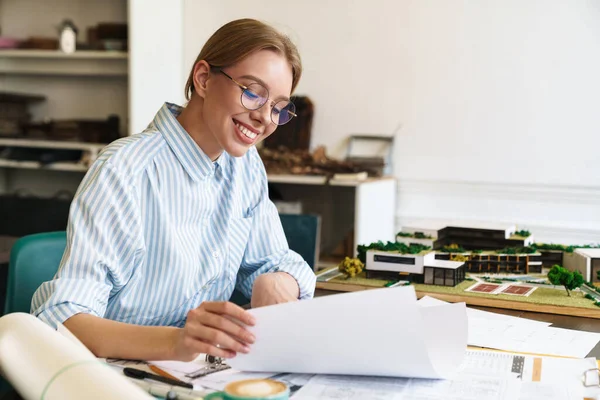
(51, 62)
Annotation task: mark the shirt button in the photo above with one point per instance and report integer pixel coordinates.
(216, 254)
(206, 223)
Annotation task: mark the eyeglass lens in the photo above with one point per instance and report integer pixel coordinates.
(256, 95)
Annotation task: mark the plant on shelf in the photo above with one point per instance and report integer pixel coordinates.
(562, 247)
(351, 267)
(453, 248)
(458, 257)
(421, 235)
(416, 235)
(523, 233)
(401, 248)
(569, 279)
(517, 250)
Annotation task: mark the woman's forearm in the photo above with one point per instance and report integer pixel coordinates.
(111, 339)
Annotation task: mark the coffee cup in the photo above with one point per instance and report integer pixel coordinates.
(252, 389)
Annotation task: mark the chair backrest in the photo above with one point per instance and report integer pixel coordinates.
(34, 259)
(303, 235)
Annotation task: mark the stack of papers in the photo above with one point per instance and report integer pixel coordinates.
(380, 332)
(503, 332)
(384, 344)
(482, 375)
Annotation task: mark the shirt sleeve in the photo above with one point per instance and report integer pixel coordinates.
(102, 233)
(267, 249)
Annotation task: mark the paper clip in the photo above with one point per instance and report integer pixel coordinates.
(215, 364)
(213, 359)
(586, 380)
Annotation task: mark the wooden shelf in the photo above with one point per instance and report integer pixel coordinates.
(52, 62)
(59, 166)
(52, 144)
(297, 179)
(318, 180)
(91, 148)
(25, 53)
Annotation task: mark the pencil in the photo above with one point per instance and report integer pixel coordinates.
(161, 372)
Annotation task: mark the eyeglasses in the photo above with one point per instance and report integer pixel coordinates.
(255, 95)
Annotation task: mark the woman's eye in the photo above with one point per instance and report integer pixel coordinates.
(250, 94)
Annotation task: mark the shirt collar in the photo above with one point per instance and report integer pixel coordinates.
(196, 163)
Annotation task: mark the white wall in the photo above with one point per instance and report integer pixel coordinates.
(498, 99)
(155, 58)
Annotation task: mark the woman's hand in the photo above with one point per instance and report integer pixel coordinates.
(214, 328)
(274, 288)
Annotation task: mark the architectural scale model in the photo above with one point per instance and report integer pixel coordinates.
(489, 265)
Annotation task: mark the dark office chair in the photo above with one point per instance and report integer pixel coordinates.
(34, 259)
(303, 235)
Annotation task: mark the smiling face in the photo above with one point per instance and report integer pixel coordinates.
(233, 127)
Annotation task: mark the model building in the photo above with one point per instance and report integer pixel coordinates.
(414, 264)
(519, 260)
(470, 235)
(584, 260)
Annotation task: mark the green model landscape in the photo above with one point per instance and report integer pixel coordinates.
(541, 295)
(353, 273)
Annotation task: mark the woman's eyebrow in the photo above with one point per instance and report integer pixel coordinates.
(258, 80)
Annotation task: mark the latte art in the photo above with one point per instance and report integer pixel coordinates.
(255, 388)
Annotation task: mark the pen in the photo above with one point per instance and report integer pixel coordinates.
(140, 374)
(167, 392)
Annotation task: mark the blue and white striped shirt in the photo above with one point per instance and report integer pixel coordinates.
(156, 228)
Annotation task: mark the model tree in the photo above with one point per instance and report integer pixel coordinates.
(351, 267)
(562, 276)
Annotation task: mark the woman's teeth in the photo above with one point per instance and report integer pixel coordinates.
(246, 131)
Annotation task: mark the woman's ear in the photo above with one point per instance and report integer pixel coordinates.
(201, 74)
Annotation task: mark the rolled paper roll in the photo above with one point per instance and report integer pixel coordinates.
(41, 363)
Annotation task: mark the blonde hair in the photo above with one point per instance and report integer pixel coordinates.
(238, 39)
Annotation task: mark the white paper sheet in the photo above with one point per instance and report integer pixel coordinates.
(332, 387)
(502, 332)
(375, 332)
(563, 373)
(546, 391)
(548, 340)
(177, 368)
(472, 313)
(482, 375)
(568, 372)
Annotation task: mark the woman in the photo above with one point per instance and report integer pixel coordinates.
(168, 222)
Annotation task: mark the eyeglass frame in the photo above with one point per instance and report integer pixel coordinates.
(244, 87)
